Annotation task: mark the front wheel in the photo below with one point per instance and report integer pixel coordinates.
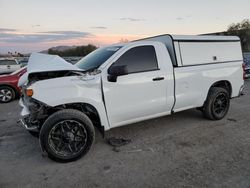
(217, 104)
(67, 135)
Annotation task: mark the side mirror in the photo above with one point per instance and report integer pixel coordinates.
(116, 70)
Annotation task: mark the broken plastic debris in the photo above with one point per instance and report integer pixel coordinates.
(117, 142)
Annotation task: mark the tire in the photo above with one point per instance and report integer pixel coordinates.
(67, 135)
(217, 103)
(7, 94)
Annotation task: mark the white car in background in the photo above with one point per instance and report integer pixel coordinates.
(8, 65)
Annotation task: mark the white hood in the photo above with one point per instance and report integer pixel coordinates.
(44, 63)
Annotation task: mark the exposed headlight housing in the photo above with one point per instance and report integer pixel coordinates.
(29, 92)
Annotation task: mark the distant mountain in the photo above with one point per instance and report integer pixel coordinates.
(58, 48)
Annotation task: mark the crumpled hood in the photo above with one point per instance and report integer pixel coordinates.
(45, 63)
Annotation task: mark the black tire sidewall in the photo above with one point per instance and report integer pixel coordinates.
(215, 115)
(208, 109)
(68, 114)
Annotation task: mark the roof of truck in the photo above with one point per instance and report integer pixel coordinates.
(204, 38)
(195, 38)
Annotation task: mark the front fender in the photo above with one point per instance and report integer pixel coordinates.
(73, 89)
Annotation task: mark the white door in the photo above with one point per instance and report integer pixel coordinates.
(142, 93)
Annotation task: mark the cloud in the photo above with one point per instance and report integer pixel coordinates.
(184, 18)
(64, 32)
(132, 19)
(38, 37)
(179, 18)
(99, 27)
(36, 25)
(7, 30)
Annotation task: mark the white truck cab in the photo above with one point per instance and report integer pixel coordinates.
(127, 83)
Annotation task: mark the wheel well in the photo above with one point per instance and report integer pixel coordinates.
(89, 110)
(14, 89)
(224, 84)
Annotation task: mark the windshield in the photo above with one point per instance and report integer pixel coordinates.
(97, 58)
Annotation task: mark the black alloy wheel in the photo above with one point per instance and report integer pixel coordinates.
(67, 138)
(217, 103)
(67, 135)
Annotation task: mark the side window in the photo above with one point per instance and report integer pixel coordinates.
(139, 59)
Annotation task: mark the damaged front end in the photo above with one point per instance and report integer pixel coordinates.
(41, 67)
(33, 114)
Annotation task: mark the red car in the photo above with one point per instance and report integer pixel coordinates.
(9, 89)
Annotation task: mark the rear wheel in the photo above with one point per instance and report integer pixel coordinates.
(217, 104)
(7, 94)
(67, 135)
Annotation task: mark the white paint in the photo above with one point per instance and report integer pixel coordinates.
(43, 63)
(204, 37)
(73, 89)
(136, 96)
(193, 53)
(193, 83)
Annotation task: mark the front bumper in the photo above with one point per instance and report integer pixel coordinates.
(26, 120)
(25, 110)
(23, 123)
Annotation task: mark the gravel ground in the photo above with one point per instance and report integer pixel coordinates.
(183, 150)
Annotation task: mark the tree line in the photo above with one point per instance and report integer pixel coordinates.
(77, 51)
(242, 30)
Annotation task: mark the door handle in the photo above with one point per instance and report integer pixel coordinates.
(8, 66)
(158, 78)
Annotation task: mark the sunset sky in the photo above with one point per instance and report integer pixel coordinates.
(35, 25)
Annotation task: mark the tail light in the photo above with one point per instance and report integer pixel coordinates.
(244, 70)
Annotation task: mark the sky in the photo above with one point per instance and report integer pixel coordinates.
(35, 25)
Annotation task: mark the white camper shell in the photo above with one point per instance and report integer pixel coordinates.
(186, 50)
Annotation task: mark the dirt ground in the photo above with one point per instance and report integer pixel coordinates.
(183, 150)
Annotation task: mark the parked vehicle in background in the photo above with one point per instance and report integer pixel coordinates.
(23, 62)
(9, 89)
(8, 65)
(246, 65)
(127, 83)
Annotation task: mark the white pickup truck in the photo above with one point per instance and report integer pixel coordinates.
(127, 83)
